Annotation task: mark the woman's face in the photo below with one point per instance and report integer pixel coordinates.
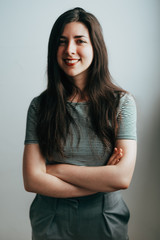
(75, 51)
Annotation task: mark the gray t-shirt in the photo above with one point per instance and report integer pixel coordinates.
(90, 150)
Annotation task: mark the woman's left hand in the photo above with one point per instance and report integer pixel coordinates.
(116, 156)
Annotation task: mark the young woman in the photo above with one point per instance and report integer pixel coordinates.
(80, 145)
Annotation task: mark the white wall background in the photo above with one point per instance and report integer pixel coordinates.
(132, 34)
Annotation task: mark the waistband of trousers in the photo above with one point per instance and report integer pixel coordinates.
(97, 195)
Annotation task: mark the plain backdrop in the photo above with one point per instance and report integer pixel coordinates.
(132, 34)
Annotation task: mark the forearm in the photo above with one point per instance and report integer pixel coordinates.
(99, 179)
(38, 181)
(52, 186)
(103, 178)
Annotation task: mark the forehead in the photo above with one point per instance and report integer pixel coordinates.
(75, 28)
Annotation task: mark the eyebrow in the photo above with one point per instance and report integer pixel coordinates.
(77, 36)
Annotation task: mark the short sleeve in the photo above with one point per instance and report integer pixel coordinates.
(127, 118)
(31, 124)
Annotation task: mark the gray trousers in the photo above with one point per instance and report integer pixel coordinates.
(101, 216)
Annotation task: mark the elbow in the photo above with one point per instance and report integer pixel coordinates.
(124, 183)
(124, 186)
(28, 186)
(123, 180)
(119, 184)
(32, 182)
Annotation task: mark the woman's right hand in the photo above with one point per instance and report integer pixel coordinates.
(116, 156)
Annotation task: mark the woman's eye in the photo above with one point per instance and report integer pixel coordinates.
(62, 42)
(80, 41)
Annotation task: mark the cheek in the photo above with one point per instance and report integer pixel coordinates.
(89, 54)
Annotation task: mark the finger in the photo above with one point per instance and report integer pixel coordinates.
(115, 158)
(116, 154)
(113, 155)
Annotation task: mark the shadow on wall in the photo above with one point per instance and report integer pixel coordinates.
(153, 146)
(145, 188)
(151, 170)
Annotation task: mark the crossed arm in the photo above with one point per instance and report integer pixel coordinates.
(64, 180)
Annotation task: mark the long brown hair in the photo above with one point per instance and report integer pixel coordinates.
(54, 117)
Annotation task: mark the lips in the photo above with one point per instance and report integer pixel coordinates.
(71, 62)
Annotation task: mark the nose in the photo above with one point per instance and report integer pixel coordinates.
(70, 48)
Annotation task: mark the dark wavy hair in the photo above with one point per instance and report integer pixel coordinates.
(54, 117)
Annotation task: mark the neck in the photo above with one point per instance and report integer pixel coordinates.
(77, 97)
(80, 80)
(80, 94)
(80, 83)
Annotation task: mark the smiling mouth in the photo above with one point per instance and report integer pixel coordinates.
(71, 62)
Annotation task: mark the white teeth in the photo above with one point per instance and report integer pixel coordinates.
(71, 61)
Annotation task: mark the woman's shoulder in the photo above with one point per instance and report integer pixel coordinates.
(127, 117)
(35, 102)
(126, 97)
(127, 100)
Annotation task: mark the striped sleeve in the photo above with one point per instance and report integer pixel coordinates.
(127, 118)
(31, 124)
